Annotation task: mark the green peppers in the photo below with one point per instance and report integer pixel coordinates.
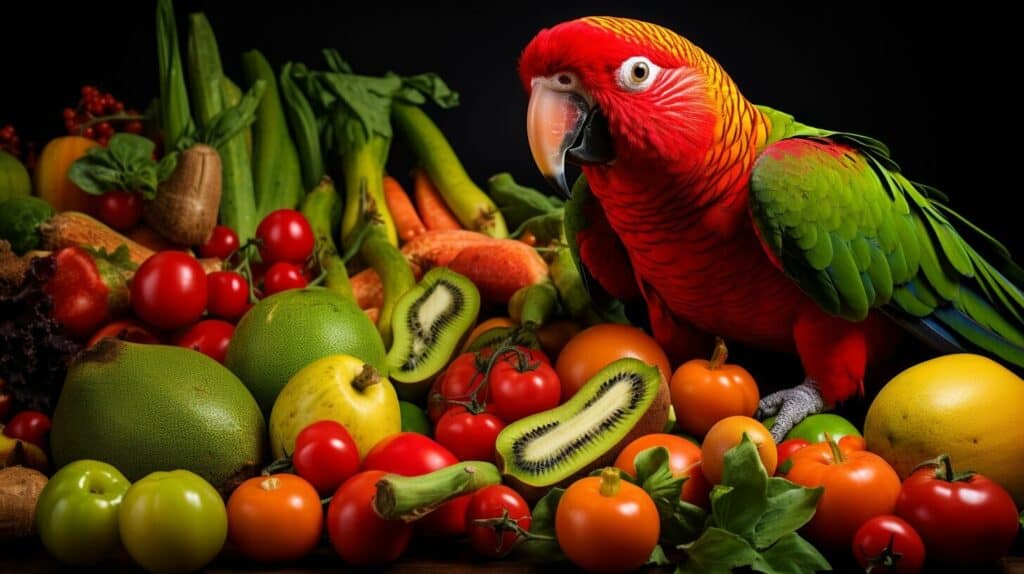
(77, 512)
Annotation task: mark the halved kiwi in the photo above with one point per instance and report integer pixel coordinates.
(623, 401)
(428, 324)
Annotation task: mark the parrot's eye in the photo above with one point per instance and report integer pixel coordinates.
(637, 73)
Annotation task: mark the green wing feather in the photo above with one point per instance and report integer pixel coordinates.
(857, 235)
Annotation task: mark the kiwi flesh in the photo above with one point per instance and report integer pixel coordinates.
(623, 401)
(429, 322)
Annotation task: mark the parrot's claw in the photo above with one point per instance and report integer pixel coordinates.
(789, 407)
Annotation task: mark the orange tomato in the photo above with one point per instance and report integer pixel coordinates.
(859, 485)
(594, 348)
(51, 173)
(275, 518)
(728, 433)
(605, 524)
(705, 392)
(683, 460)
(484, 326)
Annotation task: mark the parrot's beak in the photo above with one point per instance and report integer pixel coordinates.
(563, 124)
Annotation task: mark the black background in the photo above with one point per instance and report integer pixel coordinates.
(929, 83)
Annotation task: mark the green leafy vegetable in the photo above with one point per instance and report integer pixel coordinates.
(543, 523)
(227, 123)
(753, 519)
(519, 203)
(126, 164)
(175, 117)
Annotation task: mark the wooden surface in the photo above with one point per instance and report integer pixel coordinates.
(450, 558)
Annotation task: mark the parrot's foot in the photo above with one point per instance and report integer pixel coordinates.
(790, 406)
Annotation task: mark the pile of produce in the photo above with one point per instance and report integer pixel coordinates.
(223, 323)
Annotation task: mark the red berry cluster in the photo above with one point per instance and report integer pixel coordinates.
(95, 104)
(9, 141)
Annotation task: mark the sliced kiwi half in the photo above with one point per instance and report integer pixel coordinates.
(623, 401)
(429, 322)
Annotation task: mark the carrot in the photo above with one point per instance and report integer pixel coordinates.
(73, 228)
(432, 208)
(500, 267)
(407, 221)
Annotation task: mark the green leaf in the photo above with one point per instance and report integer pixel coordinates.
(684, 525)
(739, 502)
(717, 552)
(791, 555)
(658, 557)
(165, 167)
(519, 203)
(125, 164)
(226, 124)
(335, 62)
(654, 476)
(543, 523)
(417, 89)
(119, 258)
(94, 175)
(790, 506)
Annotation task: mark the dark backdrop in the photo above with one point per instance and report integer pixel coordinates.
(926, 82)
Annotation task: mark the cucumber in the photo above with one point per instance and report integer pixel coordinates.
(322, 208)
(277, 177)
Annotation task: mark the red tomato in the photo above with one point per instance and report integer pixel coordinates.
(286, 236)
(412, 454)
(121, 210)
(963, 518)
(169, 290)
(859, 485)
(886, 544)
(325, 455)
(227, 294)
(457, 383)
(275, 518)
(282, 276)
(127, 330)
(787, 448)
(469, 436)
(209, 337)
(222, 243)
(483, 517)
(520, 385)
(357, 533)
(29, 426)
(684, 459)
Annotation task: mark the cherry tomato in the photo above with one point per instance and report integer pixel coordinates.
(963, 518)
(357, 533)
(605, 524)
(126, 330)
(222, 243)
(169, 290)
(488, 506)
(787, 448)
(29, 426)
(282, 276)
(457, 383)
(859, 485)
(412, 454)
(121, 210)
(227, 294)
(520, 386)
(469, 436)
(886, 544)
(286, 236)
(705, 392)
(209, 337)
(275, 518)
(728, 433)
(594, 348)
(684, 460)
(325, 455)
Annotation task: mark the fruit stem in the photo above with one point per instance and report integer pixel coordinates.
(610, 481)
(944, 469)
(409, 498)
(111, 118)
(719, 356)
(837, 453)
(366, 378)
(504, 523)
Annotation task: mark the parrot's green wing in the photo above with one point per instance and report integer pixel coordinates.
(855, 235)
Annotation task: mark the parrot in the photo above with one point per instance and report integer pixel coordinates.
(728, 218)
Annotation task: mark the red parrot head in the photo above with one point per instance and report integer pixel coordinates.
(611, 89)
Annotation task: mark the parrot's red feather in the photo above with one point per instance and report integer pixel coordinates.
(603, 254)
